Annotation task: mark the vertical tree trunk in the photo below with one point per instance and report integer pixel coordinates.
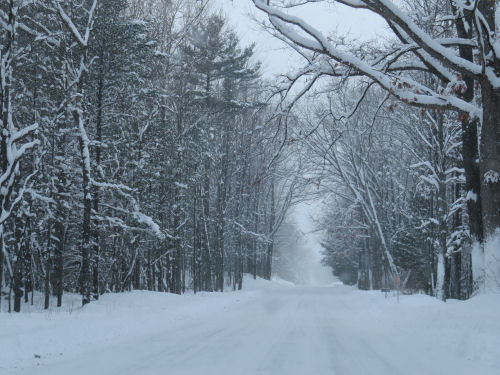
(149, 271)
(85, 273)
(59, 149)
(270, 246)
(60, 235)
(456, 274)
(96, 229)
(470, 154)
(85, 278)
(253, 243)
(177, 209)
(48, 268)
(136, 271)
(18, 268)
(442, 213)
(5, 109)
(195, 260)
(1, 264)
(490, 159)
(470, 148)
(168, 274)
(28, 269)
(205, 241)
(177, 266)
(223, 185)
(159, 278)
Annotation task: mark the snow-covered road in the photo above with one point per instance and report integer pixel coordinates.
(275, 330)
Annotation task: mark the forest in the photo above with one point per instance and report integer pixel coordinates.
(142, 149)
(402, 140)
(137, 151)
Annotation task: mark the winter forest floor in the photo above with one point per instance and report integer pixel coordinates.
(268, 328)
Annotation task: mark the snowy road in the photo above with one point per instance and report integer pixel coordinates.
(288, 330)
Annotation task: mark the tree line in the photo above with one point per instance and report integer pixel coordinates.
(137, 151)
(407, 141)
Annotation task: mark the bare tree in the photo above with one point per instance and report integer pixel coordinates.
(415, 50)
(464, 57)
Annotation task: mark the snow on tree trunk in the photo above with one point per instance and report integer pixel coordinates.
(440, 277)
(79, 74)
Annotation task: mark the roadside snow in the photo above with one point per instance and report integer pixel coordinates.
(37, 337)
(269, 328)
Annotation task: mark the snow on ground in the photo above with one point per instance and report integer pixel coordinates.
(268, 328)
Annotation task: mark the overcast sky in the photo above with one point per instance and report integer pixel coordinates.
(325, 16)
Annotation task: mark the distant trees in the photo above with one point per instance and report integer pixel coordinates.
(398, 188)
(137, 151)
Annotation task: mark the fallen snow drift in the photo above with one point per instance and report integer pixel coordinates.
(268, 328)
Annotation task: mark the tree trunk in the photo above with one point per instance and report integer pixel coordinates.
(1, 264)
(470, 154)
(442, 213)
(59, 234)
(205, 234)
(85, 273)
(5, 113)
(489, 163)
(96, 252)
(149, 271)
(470, 151)
(48, 267)
(18, 268)
(457, 272)
(270, 246)
(195, 260)
(178, 195)
(440, 278)
(28, 270)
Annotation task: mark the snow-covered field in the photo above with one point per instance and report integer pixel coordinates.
(269, 328)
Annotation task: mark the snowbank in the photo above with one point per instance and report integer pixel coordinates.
(36, 336)
(460, 336)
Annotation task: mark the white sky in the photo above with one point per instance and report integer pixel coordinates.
(275, 56)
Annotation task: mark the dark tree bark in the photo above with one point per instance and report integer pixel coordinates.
(96, 229)
(205, 234)
(17, 279)
(489, 163)
(85, 273)
(483, 178)
(48, 267)
(60, 226)
(470, 144)
(1, 264)
(272, 220)
(28, 267)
